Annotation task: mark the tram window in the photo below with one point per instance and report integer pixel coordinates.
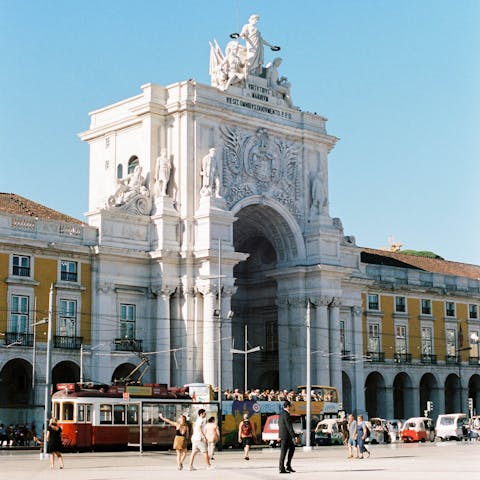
(56, 411)
(88, 413)
(81, 413)
(132, 414)
(67, 411)
(119, 414)
(105, 414)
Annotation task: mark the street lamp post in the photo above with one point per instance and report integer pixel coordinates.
(48, 372)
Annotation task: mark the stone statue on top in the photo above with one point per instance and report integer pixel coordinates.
(240, 63)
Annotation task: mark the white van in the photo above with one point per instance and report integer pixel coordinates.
(451, 426)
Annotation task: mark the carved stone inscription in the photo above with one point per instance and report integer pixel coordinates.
(259, 164)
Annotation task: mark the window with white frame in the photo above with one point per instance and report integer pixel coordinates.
(401, 339)
(67, 318)
(68, 271)
(21, 265)
(19, 314)
(400, 304)
(426, 339)
(426, 306)
(449, 309)
(473, 311)
(451, 338)
(373, 302)
(374, 337)
(474, 346)
(127, 320)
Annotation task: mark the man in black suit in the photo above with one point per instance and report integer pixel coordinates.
(287, 438)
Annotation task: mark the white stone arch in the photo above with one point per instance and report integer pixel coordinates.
(278, 225)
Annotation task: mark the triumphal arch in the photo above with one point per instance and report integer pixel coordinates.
(199, 188)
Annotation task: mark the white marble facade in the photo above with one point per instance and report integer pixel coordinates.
(177, 171)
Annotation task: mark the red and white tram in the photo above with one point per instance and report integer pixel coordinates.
(111, 417)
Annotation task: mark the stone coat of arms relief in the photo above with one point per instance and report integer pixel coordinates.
(260, 164)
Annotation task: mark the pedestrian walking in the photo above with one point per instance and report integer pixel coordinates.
(199, 440)
(246, 435)
(352, 443)
(361, 436)
(212, 433)
(288, 439)
(54, 442)
(181, 437)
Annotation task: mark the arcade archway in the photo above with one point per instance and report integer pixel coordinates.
(272, 241)
(453, 401)
(65, 372)
(16, 383)
(123, 371)
(402, 397)
(375, 395)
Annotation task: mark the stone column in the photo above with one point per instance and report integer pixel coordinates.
(162, 334)
(321, 358)
(358, 397)
(208, 324)
(284, 359)
(335, 348)
(298, 339)
(225, 333)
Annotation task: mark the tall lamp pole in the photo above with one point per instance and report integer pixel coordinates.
(48, 373)
(309, 383)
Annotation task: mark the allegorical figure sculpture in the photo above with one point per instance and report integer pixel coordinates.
(254, 43)
(278, 84)
(162, 173)
(131, 194)
(210, 174)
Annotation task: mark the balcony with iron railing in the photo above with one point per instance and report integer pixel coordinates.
(428, 358)
(451, 359)
(69, 343)
(18, 339)
(68, 276)
(346, 355)
(474, 360)
(402, 357)
(128, 345)
(375, 357)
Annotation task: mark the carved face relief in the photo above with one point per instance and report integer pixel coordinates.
(259, 164)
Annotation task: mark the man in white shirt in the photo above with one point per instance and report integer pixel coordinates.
(199, 440)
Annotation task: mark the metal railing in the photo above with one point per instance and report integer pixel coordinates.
(19, 339)
(402, 357)
(70, 343)
(428, 358)
(128, 345)
(451, 359)
(375, 357)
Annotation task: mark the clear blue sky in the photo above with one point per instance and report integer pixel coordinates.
(398, 80)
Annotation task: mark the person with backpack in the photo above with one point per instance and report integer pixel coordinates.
(246, 435)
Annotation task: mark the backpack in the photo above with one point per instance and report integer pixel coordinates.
(246, 429)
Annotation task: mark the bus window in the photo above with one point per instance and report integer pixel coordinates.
(119, 414)
(81, 412)
(105, 414)
(132, 414)
(67, 411)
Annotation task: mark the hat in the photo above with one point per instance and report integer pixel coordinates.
(245, 417)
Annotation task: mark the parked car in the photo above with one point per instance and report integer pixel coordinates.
(452, 426)
(379, 432)
(418, 429)
(270, 430)
(327, 432)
